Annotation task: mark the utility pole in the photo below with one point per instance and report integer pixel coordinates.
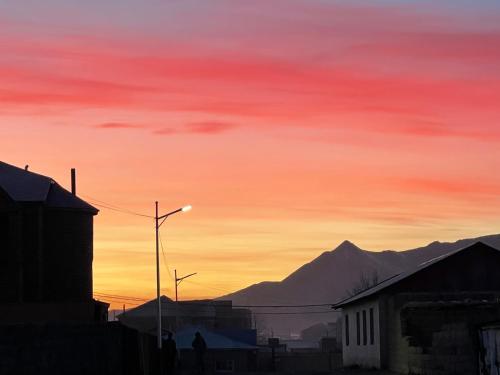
(157, 229)
(158, 305)
(178, 280)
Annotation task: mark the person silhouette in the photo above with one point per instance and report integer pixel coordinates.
(200, 347)
(170, 354)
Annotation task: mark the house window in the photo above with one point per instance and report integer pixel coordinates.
(365, 336)
(358, 329)
(224, 365)
(346, 329)
(372, 327)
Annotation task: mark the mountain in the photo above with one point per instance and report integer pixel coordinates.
(330, 277)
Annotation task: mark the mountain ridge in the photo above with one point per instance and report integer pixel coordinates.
(330, 276)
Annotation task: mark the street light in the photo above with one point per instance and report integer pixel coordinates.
(158, 225)
(178, 280)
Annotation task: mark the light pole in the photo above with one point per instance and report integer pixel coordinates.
(178, 281)
(158, 225)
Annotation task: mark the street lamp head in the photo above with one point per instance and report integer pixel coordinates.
(187, 208)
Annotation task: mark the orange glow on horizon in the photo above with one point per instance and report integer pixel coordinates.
(288, 131)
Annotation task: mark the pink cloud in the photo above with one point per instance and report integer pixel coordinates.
(434, 129)
(117, 125)
(203, 127)
(330, 78)
(448, 186)
(472, 47)
(209, 127)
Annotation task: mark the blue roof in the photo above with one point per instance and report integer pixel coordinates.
(185, 336)
(25, 186)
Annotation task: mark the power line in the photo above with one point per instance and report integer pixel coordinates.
(188, 303)
(262, 306)
(113, 207)
(111, 300)
(183, 305)
(296, 313)
(208, 287)
(120, 296)
(165, 258)
(285, 306)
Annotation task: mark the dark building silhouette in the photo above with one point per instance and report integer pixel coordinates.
(210, 314)
(46, 250)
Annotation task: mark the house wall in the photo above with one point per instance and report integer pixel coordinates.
(364, 354)
(444, 337)
(396, 347)
(45, 254)
(67, 255)
(435, 339)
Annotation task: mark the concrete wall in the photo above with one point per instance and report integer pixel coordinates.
(107, 349)
(452, 352)
(435, 338)
(364, 354)
(396, 347)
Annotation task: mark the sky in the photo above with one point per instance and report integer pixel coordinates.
(289, 126)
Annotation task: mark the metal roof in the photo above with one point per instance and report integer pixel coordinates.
(401, 276)
(25, 186)
(185, 337)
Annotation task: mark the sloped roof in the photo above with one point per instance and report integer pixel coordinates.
(172, 308)
(401, 276)
(185, 337)
(25, 186)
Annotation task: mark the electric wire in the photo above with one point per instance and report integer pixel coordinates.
(113, 207)
(165, 257)
(138, 301)
(188, 303)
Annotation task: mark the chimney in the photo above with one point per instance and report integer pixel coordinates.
(73, 181)
(26, 167)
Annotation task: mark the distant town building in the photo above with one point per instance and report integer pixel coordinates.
(428, 320)
(46, 251)
(319, 330)
(210, 314)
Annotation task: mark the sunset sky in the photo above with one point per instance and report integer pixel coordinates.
(289, 126)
